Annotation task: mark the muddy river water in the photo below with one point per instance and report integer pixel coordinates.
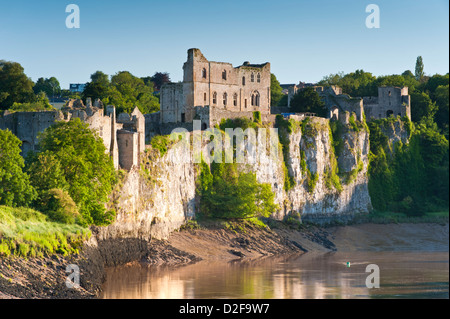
(402, 274)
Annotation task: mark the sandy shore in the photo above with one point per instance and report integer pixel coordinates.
(45, 278)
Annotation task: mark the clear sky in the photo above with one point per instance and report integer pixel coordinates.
(303, 40)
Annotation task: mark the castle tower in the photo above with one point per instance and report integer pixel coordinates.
(114, 151)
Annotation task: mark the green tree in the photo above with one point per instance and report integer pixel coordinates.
(98, 88)
(419, 69)
(276, 92)
(15, 86)
(308, 100)
(88, 169)
(226, 193)
(128, 91)
(50, 86)
(421, 106)
(441, 95)
(15, 187)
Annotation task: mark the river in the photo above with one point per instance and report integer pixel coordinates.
(402, 274)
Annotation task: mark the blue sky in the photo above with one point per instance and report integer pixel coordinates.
(303, 40)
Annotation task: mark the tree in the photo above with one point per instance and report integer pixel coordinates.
(87, 168)
(308, 100)
(15, 187)
(98, 88)
(226, 193)
(276, 92)
(50, 86)
(419, 69)
(158, 79)
(128, 91)
(442, 101)
(422, 106)
(15, 86)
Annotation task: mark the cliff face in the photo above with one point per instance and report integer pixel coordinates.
(160, 196)
(325, 185)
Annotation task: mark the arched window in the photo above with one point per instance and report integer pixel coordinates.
(243, 80)
(235, 99)
(214, 98)
(252, 77)
(204, 73)
(258, 78)
(225, 99)
(224, 74)
(255, 98)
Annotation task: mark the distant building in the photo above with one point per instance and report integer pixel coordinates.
(76, 87)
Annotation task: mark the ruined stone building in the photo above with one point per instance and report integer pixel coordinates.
(390, 101)
(211, 91)
(123, 135)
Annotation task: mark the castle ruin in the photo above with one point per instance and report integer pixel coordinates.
(211, 91)
(123, 136)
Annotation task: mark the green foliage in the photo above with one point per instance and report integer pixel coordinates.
(25, 232)
(284, 129)
(276, 92)
(422, 106)
(58, 206)
(257, 117)
(30, 107)
(308, 100)
(228, 194)
(414, 179)
(49, 86)
(419, 69)
(15, 86)
(161, 143)
(240, 122)
(125, 90)
(88, 172)
(15, 187)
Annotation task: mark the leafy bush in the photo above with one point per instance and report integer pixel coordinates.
(59, 206)
(227, 194)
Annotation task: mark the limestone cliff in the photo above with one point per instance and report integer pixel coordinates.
(326, 182)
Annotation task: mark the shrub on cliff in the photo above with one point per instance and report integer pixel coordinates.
(229, 194)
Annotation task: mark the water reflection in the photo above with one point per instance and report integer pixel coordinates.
(402, 274)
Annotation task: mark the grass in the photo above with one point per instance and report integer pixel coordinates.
(25, 232)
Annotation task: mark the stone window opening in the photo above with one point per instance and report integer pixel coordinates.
(389, 93)
(224, 75)
(243, 80)
(258, 78)
(204, 73)
(245, 103)
(235, 99)
(389, 113)
(252, 78)
(255, 98)
(225, 95)
(204, 97)
(214, 98)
